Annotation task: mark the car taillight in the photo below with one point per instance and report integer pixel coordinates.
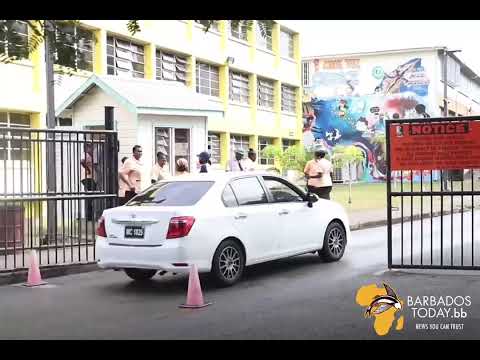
(101, 231)
(179, 226)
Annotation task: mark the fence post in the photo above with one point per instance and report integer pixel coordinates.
(389, 197)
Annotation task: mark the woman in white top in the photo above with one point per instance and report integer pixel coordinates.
(318, 172)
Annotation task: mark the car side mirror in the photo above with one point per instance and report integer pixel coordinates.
(311, 198)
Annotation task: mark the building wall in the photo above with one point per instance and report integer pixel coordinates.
(463, 93)
(184, 37)
(90, 111)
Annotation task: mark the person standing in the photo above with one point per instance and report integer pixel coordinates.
(319, 175)
(131, 174)
(88, 181)
(204, 161)
(122, 185)
(250, 162)
(237, 164)
(160, 170)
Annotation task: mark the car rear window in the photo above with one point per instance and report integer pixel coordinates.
(175, 193)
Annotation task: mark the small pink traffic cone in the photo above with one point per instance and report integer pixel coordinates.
(194, 295)
(34, 277)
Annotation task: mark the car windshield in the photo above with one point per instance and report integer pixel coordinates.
(175, 193)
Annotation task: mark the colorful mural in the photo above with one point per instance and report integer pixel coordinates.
(338, 114)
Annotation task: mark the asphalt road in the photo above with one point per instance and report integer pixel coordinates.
(296, 298)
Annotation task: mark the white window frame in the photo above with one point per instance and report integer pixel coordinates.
(239, 32)
(286, 50)
(127, 49)
(165, 59)
(8, 125)
(214, 144)
(239, 89)
(264, 42)
(306, 73)
(4, 44)
(209, 74)
(81, 49)
(239, 142)
(215, 26)
(265, 93)
(263, 142)
(289, 100)
(290, 143)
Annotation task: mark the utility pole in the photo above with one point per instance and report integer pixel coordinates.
(446, 53)
(50, 151)
(443, 173)
(445, 86)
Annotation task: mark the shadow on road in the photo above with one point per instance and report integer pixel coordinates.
(290, 268)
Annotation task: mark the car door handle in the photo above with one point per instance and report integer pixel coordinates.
(241, 216)
(284, 212)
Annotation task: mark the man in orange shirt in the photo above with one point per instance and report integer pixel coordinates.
(318, 172)
(131, 176)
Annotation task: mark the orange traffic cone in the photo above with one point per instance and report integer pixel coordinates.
(34, 277)
(194, 295)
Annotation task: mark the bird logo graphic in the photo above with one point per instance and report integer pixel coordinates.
(382, 303)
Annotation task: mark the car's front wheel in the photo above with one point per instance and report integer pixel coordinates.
(334, 242)
(228, 263)
(140, 274)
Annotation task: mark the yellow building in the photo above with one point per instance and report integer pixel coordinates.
(244, 88)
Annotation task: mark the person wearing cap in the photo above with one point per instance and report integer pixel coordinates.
(318, 173)
(204, 159)
(238, 163)
(160, 170)
(250, 162)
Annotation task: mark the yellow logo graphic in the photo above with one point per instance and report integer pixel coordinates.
(382, 304)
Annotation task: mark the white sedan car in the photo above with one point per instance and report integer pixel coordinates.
(221, 222)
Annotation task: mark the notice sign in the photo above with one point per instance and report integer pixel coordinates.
(435, 146)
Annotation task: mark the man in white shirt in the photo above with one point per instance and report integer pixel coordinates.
(250, 161)
(131, 175)
(160, 170)
(318, 172)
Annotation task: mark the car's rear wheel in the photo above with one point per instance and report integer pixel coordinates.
(334, 242)
(228, 263)
(140, 274)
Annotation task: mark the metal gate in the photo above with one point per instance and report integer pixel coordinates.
(433, 188)
(54, 185)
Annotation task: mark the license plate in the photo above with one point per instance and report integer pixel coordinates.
(134, 232)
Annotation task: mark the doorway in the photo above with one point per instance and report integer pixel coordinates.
(174, 143)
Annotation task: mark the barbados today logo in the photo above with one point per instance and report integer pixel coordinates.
(383, 305)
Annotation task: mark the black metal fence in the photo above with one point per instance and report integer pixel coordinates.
(54, 185)
(432, 222)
